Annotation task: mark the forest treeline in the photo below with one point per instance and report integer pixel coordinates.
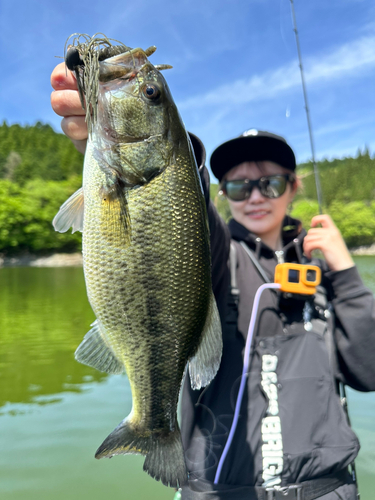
(40, 169)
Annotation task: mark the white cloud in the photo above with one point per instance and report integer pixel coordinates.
(333, 127)
(349, 61)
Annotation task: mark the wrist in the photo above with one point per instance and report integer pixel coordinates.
(341, 264)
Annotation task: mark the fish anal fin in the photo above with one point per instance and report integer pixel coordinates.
(70, 214)
(94, 351)
(205, 363)
(164, 461)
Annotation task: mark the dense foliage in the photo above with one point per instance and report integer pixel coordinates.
(40, 169)
(36, 152)
(345, 180)
(26, 214)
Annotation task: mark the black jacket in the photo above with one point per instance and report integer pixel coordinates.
(315, 438)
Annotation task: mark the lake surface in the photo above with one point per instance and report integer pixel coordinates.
(55, 412)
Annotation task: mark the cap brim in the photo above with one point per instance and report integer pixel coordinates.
(251, 148)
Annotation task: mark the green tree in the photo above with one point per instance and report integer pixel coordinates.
(27, 212)
(356, 221)
(305, 210)
(41, 153)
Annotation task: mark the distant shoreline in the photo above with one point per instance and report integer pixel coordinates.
(75, 259)
(363, 250)
(53, 260)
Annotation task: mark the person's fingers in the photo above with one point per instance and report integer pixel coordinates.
(80, 145)
(310, 246)
(66, 103)
(316, 241)
(307, 249)
(63, 79)
(74, 127)
(331, 244)
(318, 232)
(323, 219)
(308, 242)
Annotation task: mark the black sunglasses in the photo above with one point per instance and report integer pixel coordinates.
(270, 186)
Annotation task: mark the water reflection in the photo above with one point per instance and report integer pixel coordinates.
(366, 268)
(44, 316)
(55, 412)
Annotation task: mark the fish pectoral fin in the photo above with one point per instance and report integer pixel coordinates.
(205, 363)
(70, 214)
(165, 459)
(94, 351)
(115, 213)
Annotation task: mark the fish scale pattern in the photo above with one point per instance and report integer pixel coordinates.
(150, 295)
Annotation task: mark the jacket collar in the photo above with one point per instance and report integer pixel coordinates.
(293, 235)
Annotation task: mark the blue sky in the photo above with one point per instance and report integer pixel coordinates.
(234, 63)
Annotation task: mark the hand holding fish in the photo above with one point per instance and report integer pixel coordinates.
(329, 241)
(65, 102)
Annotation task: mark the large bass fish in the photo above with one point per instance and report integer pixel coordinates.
(146, 251)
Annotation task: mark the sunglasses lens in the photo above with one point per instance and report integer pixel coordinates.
(273, 186)
(237, 190)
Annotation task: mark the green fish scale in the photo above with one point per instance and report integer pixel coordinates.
(151, 295)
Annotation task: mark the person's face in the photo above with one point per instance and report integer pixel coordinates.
(261, 215)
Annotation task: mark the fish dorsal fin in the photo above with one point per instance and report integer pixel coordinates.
(70, 214)
(95, 352)
(205, 363)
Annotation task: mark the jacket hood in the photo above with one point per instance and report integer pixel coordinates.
(199, 150)
(292, 235)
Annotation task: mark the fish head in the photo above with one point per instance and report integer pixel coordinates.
(134, 100)
(137, 118)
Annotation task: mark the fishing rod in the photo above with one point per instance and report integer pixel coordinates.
(342, 390)
(316, 172)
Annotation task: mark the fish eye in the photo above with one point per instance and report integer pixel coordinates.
(151, 91)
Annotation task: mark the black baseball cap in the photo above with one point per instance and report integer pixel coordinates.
(252, 145)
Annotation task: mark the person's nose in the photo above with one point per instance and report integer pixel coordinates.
(255, 196)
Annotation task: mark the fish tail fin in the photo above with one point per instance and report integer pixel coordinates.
(165, 459)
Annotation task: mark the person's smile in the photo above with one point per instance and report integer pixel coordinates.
(257, 213)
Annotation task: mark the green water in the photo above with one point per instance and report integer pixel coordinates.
(55, 412)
